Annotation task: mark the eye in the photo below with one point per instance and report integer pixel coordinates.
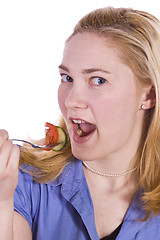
(66, 78)
(97, 81)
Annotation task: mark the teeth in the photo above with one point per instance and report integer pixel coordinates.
(78, 121)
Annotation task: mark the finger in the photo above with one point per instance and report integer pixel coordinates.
(13, 160)
(5, 151)
(3, 136)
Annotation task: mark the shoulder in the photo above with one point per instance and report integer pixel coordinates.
(33, 189)
(29, 194)
(29, 189)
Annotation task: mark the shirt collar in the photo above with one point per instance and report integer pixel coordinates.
(136, 210)
(75, 190)
(132, 224)
(70, 178)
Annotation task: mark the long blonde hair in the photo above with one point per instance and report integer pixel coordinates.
(137, 35)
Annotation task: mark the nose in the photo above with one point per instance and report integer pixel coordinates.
(76, 98)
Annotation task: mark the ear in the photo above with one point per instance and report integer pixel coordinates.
(149, 98)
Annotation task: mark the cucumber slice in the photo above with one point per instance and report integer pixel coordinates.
(62, 140)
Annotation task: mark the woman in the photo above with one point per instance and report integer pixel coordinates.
(107, 186)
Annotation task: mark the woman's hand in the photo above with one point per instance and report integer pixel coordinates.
(9, 158)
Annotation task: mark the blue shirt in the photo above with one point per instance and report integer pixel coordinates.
(63, 209)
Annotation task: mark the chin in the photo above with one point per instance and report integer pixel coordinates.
(82, 154)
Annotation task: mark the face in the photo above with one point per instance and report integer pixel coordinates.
(99, 99)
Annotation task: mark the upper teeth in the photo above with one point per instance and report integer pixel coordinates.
(78, 121)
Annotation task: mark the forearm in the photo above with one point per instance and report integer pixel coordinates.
(9, 160)
(6, 220)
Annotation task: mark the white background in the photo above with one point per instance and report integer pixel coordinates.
(32, 36)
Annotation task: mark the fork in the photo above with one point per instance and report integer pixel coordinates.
(48, 146)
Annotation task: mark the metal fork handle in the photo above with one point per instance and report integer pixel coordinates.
(24, 141)
(49, 146)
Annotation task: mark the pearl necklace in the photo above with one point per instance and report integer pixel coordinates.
(106, 174)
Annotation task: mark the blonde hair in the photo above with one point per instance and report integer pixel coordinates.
(137, 35)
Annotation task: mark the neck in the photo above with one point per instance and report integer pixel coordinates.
(109, 174)
(114, 180)
(110, 165)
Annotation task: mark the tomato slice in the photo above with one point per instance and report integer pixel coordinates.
(52, 135)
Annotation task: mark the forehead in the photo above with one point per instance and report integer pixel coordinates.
(90, 41)
(85, 50)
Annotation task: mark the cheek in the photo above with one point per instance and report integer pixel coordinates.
(105, 112)
(116, 111)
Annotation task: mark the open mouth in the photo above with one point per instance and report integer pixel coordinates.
(83, 128)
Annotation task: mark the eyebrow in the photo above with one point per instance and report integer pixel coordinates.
(63, 68)
(85, 71)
